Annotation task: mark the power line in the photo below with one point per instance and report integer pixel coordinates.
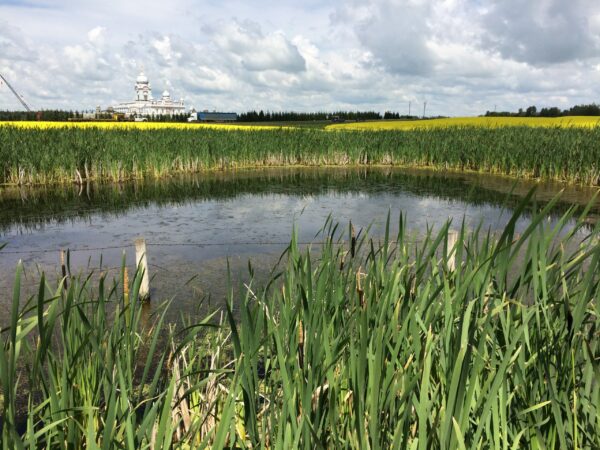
(16, 95)
(170, 244)
(154, 244)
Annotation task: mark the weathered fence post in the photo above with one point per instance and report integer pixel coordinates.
(452, 240)
(142, 265)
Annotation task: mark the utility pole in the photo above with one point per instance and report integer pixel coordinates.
(15, 92)
(409, 108)
(424, 108)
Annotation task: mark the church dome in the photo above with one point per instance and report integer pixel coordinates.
(141, 78)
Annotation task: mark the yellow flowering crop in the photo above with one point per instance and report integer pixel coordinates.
(135, 125)
(487, 122)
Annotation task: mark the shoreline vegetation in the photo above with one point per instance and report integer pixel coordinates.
(55, 154)
(463, 340)
(33, 206)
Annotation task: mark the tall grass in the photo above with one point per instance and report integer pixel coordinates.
(76, 154)
(374, 345)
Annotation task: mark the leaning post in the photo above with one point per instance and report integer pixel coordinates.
(141, 261)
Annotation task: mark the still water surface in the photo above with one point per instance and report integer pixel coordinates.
(194, 224)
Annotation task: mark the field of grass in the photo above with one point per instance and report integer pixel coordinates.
(74, 154)
(485, 122)
(489, 342)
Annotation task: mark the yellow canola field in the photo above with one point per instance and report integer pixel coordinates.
(134, 125)
(484, 122)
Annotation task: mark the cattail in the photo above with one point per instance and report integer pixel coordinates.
(360, 290)
(126, 296)
(63, 268)
(352, 242)
(300, 344)
(125, 282)
(343, 260)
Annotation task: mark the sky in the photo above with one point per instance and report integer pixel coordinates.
(462, 57)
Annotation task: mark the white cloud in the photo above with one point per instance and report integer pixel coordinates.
(543, 31)
(90, 61)
(462, 56)
(96, 35)
(246, 43)
(398, 34)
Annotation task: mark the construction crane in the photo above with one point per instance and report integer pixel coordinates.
(16, 95)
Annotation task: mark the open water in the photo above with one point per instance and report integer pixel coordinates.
(195, 225)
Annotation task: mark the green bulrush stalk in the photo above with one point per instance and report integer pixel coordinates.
(391, 347)
(496, 328)
(56, 155)
(80, 390)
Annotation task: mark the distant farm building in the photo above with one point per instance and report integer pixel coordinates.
(145, 105)
(207, 116)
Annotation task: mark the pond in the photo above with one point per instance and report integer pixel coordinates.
(195, 225)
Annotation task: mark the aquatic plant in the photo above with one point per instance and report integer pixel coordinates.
(470, 341)
(57, 155)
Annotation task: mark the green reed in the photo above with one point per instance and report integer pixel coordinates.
(71, 154)
(489, 342)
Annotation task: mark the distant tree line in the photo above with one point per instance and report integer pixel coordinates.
(395, 115)
(46, 114)
(532, 111)
(57, 115)
(292, 116)
(250, 116)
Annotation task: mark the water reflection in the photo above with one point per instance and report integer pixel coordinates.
(186, 216)
(32, 207)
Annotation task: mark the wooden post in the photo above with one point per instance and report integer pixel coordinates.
(452, 240)
(142, 265)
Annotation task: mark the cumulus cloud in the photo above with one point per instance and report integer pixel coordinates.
(255, 50)
(461, 56)
(543, 31)
(397, 34)
(13, 45)
(91, 60)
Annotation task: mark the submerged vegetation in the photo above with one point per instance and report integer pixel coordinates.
(55, 155)
(483, 342)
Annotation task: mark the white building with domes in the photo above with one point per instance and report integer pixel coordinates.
(145, 105)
